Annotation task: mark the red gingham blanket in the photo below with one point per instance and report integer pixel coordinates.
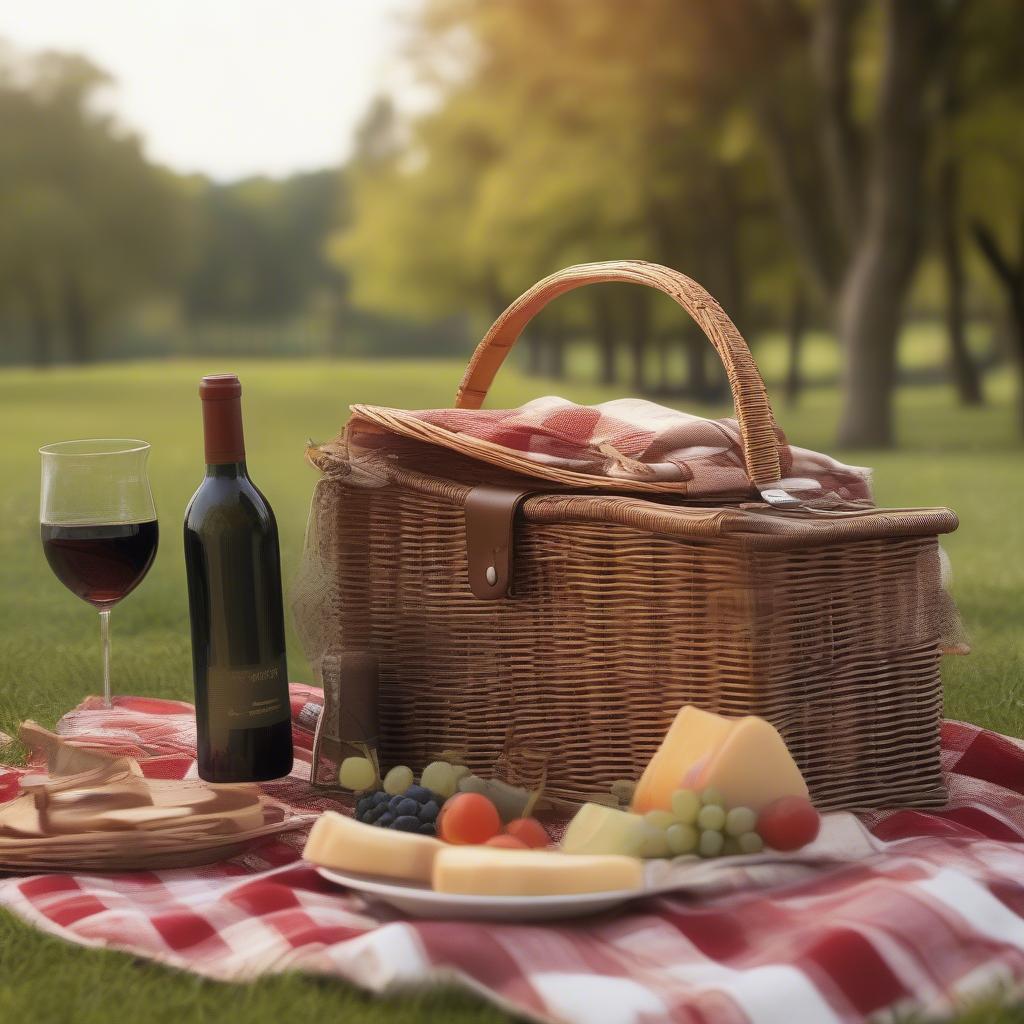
(625, 439)
(906, 910)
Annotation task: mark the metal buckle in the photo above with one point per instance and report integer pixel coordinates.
(779, 498)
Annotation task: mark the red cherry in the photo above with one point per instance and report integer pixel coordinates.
(505, 842)
(529, 831)
(789, 823)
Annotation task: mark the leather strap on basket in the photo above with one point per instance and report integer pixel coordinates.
(753, 410)
(490, 531)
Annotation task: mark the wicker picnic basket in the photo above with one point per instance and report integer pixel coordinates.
(549, 623)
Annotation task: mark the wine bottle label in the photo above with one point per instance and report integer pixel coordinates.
(247, 696)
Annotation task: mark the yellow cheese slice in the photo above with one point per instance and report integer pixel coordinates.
(487, 871)
(337, 841)
(745, 759)
(597, 828)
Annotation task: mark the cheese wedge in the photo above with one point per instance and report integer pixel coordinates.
(745, 759)
(489, 871)
(337, 841)
(597, 828)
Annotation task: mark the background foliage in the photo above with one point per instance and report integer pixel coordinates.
(840, 165)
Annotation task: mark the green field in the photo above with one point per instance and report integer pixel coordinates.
(968, 459)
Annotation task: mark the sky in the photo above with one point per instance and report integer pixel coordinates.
(230, 88)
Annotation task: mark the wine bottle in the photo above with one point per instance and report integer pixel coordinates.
(232, 559)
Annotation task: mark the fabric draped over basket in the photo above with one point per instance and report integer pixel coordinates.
(628, 440)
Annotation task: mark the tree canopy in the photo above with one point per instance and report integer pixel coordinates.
(826, 162)
(88, 223)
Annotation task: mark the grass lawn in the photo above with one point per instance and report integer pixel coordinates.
(49, 653)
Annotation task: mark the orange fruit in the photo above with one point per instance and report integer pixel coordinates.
(468, 818)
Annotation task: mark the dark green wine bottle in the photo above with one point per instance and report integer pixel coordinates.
(233, 563)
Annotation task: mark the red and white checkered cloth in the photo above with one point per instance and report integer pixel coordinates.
(900, 911)
(632, 438)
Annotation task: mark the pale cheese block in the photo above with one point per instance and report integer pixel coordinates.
(339, 842)
(597, 828)
(745, 759)
(489, 871)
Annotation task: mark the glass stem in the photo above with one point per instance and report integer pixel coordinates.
(105, 642)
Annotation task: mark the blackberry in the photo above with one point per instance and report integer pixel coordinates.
(415, 810)
(369, 807)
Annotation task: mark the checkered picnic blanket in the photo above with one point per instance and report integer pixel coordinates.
(905, 910)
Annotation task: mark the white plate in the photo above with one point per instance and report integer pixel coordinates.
(419, 901)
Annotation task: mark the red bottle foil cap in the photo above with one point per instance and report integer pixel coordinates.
(222, 418)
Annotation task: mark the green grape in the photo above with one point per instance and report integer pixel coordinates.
(750, 842)
(460, 771)
(357, 773)
(511, 801)
(740, 820)
(710, 844)
(685, 805)
(439, 778)
(398, 780)
(654, 843)
(711, 818)
(682, 838)
(659, 819)
(731, 847)
(712, 796)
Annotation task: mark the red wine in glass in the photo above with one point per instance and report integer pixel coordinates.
(102, 563)
(97, 521)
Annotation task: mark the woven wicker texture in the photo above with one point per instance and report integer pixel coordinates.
(826, 621)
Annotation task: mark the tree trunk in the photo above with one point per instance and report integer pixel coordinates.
(697, 382)
(875, 283)
(77, 323)
(604, 332)
(831, 53)
(40, 326)
(965, 374)
(639, 332)
(963, 371)
(1011, 276)
(795, 330)
(1016, 332)
(664, 363)
(556, 350)
(534, 352)
(869, 319)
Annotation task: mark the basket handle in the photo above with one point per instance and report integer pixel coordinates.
(753, 411)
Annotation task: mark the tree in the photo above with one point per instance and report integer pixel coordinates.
(260, 251)
(88, 224)
(582, 142)
(850, 184)
(989, 133)
(948, 207)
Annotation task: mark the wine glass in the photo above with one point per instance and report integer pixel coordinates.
(98, 523)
